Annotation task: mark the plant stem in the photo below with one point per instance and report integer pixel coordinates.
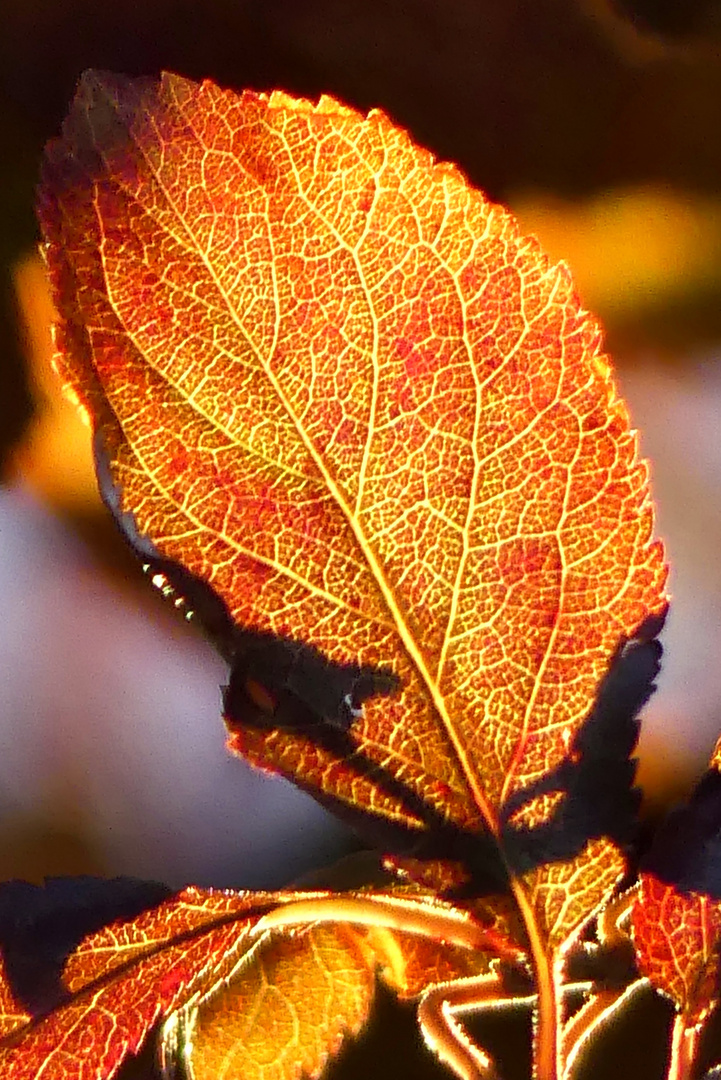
(684, 1046)
(437, 1017)
(546, 1030)
(590, 1020)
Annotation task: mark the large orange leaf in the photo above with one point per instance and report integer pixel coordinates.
(332, 382)
(335, 383)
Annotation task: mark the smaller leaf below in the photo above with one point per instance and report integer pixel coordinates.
(676, 918)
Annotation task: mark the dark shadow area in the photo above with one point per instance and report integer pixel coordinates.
(40, 926)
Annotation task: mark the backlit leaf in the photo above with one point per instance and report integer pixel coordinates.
(287, 1010)
(411, 964)
(676, 918)
(331, 383)
(243, 968)
(120, 982)
(336, 383)
(676, 915)
(676, 936)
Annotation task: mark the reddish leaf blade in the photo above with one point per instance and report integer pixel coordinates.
(676, 918)
(676, 937)
(186, 916)
(410, 965)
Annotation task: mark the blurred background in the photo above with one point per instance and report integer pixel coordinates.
(598, 124)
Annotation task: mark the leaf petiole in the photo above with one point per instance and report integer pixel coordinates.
(685, 1039)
